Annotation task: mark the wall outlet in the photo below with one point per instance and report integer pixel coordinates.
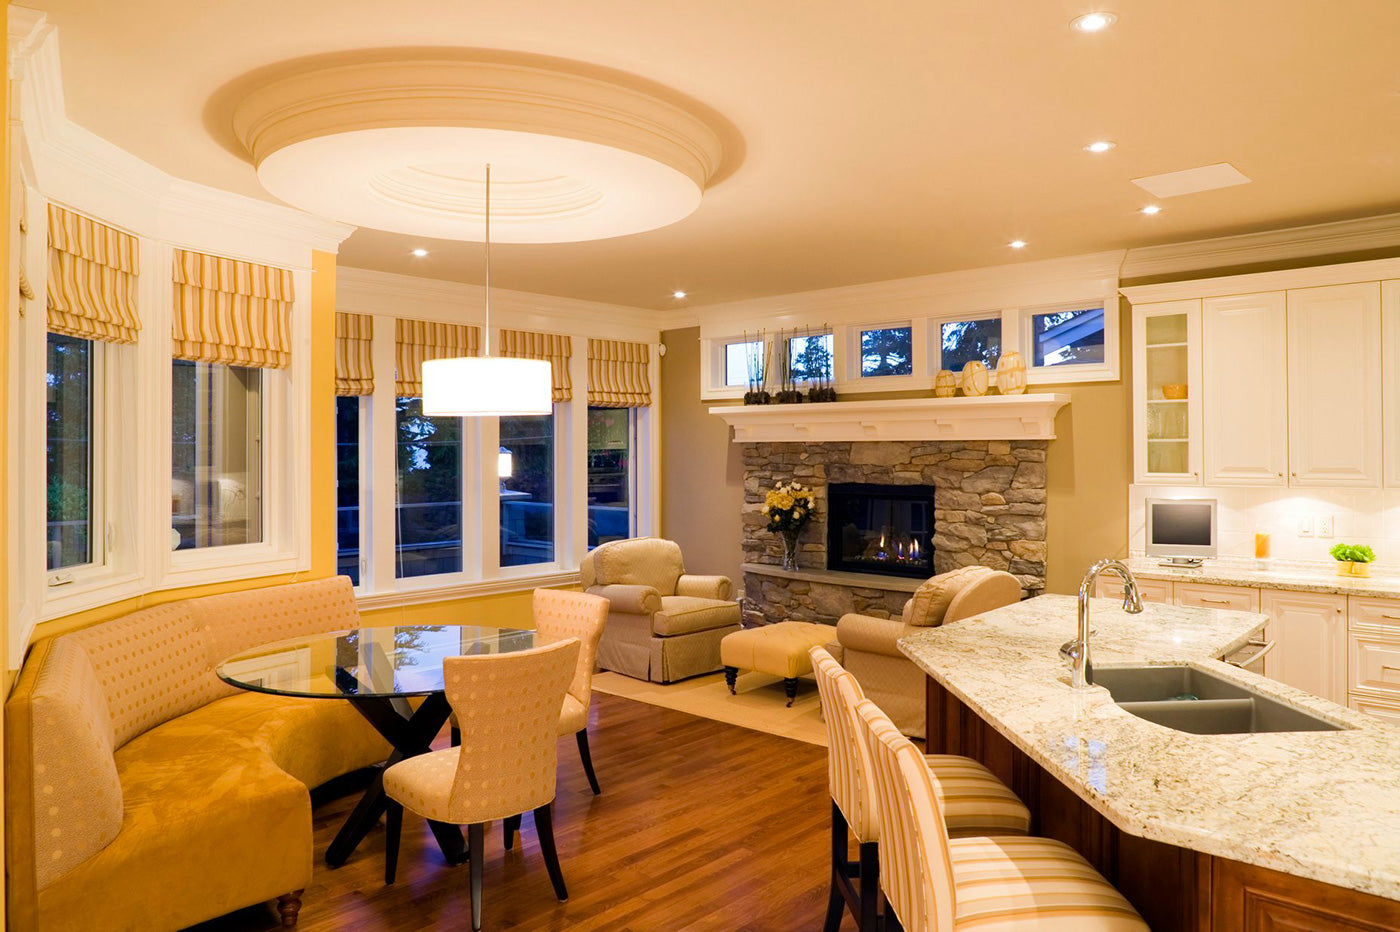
(1324, 525)
(1305, 526)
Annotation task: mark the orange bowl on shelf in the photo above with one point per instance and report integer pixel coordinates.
(1174, 391)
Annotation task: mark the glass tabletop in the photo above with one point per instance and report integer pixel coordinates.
(381, 661)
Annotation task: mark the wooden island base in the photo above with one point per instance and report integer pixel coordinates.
(1175, 889)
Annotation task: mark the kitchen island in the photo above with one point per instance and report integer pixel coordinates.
(1207, 833)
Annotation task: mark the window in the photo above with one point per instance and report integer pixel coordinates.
(526, 468)
(429, 515)
(887, 351)
(69, 435)
(962, 341)
(743, 363)
(611, 440)
(216, 455)
(1067, 338)
(809, 357)
(347, 487)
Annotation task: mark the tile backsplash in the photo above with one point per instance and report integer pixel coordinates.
(1359, 516)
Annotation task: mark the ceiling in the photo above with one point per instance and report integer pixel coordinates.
(864, 141)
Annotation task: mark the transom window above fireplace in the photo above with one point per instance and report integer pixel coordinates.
(883, 529)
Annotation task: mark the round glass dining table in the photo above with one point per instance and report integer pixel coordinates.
(377, 670)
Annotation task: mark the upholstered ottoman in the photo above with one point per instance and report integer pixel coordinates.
(778, 650)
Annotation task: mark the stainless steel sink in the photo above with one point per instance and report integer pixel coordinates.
(1195, 701)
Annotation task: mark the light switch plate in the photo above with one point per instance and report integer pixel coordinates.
(1324, 525)
(1305, 526)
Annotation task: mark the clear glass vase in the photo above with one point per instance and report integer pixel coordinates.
(789, 550)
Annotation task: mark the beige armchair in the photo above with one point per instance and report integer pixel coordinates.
(868, 646)
(663, 624)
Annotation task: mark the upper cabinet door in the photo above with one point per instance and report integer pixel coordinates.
(1390, 328)
(1244, 371)
(1167, 392)
(1334, 385)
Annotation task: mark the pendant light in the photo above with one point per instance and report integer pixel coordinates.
(486, 385)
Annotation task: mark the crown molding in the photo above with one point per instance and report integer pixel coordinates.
(364, 291)
(81, 170)
(1025, 284)
(1322, 239)
(1255, 282)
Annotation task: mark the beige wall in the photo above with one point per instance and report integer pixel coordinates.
(702, 479)
(1089, 468)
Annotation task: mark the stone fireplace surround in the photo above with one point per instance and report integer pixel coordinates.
(989, 510)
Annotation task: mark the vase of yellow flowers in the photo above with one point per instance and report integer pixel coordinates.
(788, 506)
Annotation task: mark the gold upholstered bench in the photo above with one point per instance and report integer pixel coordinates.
(778, 649)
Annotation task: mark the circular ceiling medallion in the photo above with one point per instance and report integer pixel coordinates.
(403, 145)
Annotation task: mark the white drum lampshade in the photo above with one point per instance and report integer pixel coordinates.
(486, 386)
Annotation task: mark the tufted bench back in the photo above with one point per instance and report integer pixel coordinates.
(81, 696)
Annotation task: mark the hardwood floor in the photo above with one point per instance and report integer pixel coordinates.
(701, 826)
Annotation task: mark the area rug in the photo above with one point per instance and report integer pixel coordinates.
(760, 705)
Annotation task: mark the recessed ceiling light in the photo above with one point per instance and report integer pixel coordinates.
(420, 253)
(678, 294)
(1093, 22)
(1017, 244)
(1103, 145)
(1151, 209)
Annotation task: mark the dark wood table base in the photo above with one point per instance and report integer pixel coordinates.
(410, 732)
(1175, 889)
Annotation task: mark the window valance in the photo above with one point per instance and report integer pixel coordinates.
(618, 374)
(419, 340)
(354, 365)
(553, 348)
(92, 279)
(231, 312)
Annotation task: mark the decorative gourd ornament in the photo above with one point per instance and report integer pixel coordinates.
(974, 379)
(945, 384)
(1011, 374)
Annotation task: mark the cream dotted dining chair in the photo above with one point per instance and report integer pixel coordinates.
(507, 707)
(998, 884)
(977, 802)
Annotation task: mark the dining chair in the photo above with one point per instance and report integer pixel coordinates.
(977, 802)
(508, 709)
(934, 883)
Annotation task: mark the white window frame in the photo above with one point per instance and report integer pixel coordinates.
(934, 339)
(714, 362)
(559, 420)
(812, 334)
(849, 379)
(285, 544)
(1106, 371)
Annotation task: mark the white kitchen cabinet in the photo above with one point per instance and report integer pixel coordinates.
(1167, 392)
(1311, 633)
(1390, 380)
(1244, 367)
(1388, 712)
(1149, 590)
(1210, 595)
(1334, 385)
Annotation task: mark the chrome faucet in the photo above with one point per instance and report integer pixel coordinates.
(1077, 650)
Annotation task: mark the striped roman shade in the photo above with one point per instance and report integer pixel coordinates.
(554, 348)
(354, 367)
(92, 279)
(419, 340)
(231, 312)
(617, 374)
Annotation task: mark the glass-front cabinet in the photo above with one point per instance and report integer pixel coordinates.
(1167, 392)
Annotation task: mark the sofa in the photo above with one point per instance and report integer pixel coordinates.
(663, 624)
(142, 792)
(869, 646)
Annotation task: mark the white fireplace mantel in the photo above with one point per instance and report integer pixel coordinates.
(994, 417)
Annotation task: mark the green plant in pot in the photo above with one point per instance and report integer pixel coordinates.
(1353, 559)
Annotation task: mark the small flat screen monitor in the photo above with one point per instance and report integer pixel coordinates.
(1181, 529)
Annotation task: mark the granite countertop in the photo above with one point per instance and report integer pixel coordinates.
(1302, 577)
(1323, 805)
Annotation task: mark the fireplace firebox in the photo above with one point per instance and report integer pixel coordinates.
(883, 529)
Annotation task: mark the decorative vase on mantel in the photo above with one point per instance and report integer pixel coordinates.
(790, 550)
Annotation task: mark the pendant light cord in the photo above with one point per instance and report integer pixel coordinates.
(486, 338)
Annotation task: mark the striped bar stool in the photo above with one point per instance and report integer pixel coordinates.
(977, 802)
(937, 884)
